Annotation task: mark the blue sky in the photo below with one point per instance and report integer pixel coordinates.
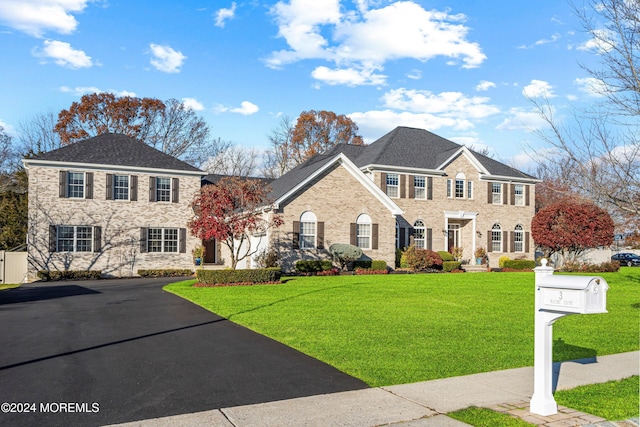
(458, 68)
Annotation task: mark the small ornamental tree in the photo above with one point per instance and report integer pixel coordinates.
(569, 228)
(232, 211)
(345, 253)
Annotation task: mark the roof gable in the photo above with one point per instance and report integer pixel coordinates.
(114, 150)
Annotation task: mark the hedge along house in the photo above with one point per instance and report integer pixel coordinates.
(408, 187)
(109, 203)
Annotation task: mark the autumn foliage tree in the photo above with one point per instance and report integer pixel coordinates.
(569, 228)
(232, 211)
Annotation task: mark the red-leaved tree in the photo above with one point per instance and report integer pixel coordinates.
(569, 228)
(233, 211)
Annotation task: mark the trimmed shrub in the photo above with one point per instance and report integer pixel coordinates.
(345, 253)
(363, 264)
(422, 259)
(502, 260)
(378, 264)
(313, 265)
(446, 256)
(518, 264)
(257, 275)
(450, 266)
(47, 275)
(578, 267)
(165, 272)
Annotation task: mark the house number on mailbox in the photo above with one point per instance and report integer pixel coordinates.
(564, 298)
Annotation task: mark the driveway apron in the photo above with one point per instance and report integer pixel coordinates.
(112, 351)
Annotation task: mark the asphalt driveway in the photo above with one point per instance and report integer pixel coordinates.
(110, 351)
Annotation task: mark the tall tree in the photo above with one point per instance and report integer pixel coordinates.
(7, 152)
(168, 126)
(599, 150)
(314, 132)
(570, 228)
(36, 134)
(234, 160)
(231, 211)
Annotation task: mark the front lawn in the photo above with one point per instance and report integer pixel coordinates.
(396, 329)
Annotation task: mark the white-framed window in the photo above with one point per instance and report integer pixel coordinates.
(518, 191)
(496, 193)
(419, 187)
(162, 240)
(419, 234)
(75, 185)
(308, 228)
(469, 189)
(363, 231)
(163, 189)
(518, 239)
(74, 238)
(496, 238)
(120, 187)
(393, 185)
(459, 189)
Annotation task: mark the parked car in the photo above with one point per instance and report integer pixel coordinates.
(626, 258)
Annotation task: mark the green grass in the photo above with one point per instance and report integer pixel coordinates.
(613, 400)
(9, 286)
(483, 417)
(396, 329)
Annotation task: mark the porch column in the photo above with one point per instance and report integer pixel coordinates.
(446, 233)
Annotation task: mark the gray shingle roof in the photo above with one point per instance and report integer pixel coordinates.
(116, 150)
(295, 176)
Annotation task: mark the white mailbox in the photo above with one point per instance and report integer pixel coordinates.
(573, 294)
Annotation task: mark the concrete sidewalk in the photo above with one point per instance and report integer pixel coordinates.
(419, 404)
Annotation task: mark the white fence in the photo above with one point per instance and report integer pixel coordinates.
(13, 267)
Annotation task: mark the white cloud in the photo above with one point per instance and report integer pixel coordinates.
(82, 90)
(591, 86)
(603, 41)
(377, 122)
(485, 85)
(522, 120)
(166, 59)
(538, 89)
(246, 108)
(193, 104)
(415, 74)
(348, 76)
(35, 17)
(223, 15)
(63, 54)
(366, 39)
(8, 129)
(447, 104)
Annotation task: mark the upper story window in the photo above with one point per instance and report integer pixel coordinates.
(121, 187)
(460, 178)
(419, 234)
(363, 231)
(163, 189)
(460, 188)
(308, 230)
(496, 193)
(75, 185)
(496, 238)
(518, 194)
(419, 187)
(393, 182)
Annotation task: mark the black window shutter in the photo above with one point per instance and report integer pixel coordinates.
(374, 236)
(430, 188)
(175, 190)
(133, 191)
(320, 236)
(62, 192)
(505, 194)
(383, 181)
(152, 188)
(512, 241)
(109, 186)
(429, 238)
(352, 233)
(505, 242)
(88, 185)
(527, 195)
(489, 192)
(513, 194)
(403, 185)
(183, 240)
(526, 241)
(53, 238)
(143, 239)
(295, 238)
(97, 239)
(489, 242)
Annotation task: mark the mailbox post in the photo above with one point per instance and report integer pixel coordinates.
(556, 297)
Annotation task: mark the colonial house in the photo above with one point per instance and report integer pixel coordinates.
(109, 203)
(114, 204)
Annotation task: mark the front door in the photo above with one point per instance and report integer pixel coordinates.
(210, 251)
(453, 237)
